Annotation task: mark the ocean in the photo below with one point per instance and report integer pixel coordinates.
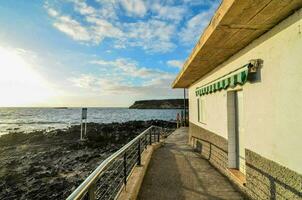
(29, 119)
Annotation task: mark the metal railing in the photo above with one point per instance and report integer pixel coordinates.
(108, 179)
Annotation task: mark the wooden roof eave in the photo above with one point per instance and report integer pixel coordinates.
(235, 24)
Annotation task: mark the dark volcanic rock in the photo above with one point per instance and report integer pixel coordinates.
(50, 165)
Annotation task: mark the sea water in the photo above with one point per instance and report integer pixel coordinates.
(29, 119)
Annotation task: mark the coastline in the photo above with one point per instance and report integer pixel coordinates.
(29, 119)
(49, 165)
(176, 104)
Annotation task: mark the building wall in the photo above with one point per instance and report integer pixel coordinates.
(272, 108)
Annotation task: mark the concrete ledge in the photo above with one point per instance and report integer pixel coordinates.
(131, 190)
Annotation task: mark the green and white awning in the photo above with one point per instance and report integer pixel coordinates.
(224, 82)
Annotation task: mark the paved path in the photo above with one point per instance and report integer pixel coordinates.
(176, 172)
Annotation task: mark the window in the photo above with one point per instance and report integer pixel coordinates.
(201, 110)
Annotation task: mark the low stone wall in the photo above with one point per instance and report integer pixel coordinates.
(265, 179)
(211, 146)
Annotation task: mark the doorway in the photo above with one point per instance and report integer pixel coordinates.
(236, 147)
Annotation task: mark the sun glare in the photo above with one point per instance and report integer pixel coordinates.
(20, 85)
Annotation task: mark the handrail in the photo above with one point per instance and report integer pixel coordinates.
(83, 189)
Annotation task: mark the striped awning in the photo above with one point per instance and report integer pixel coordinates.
(239, 77)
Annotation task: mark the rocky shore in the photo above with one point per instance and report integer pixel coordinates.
(50, 165)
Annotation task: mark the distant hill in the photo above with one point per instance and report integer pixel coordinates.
(159, 104)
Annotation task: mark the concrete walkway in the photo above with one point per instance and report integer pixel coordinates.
(176, 172)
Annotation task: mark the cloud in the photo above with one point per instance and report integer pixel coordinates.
(125, 76)
(84, 81)
(157, 87)
(151, 35)
(129, 68)
(134, 7)
(175, 13)
(175, 63)
(160, 88)
(154, 26)
(83, 8)
(97, 30)
(190, 33)
(200, 3)
(52, 12)
(72, 28)
(106, 9)
(102, 29)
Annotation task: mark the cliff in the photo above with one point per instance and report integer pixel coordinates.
(159, 104)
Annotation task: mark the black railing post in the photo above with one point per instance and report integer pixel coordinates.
(139, 152)
(154, 136)
(91, 192)
(125, 168)
(150, 136)
(146, 141)
(158, 136)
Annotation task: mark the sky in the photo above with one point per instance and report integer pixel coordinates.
(105, 53)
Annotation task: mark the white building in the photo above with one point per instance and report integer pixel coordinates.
(244, 78)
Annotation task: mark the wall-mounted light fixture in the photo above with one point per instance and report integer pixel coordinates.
(254, 69)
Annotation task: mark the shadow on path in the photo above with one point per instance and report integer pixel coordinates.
(176, 172)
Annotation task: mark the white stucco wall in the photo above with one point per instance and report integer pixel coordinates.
(273, 106)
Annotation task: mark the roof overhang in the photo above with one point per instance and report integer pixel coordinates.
(235, 24)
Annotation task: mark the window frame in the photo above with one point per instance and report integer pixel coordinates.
(201, 110)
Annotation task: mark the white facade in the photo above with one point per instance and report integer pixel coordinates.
(272, 107)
